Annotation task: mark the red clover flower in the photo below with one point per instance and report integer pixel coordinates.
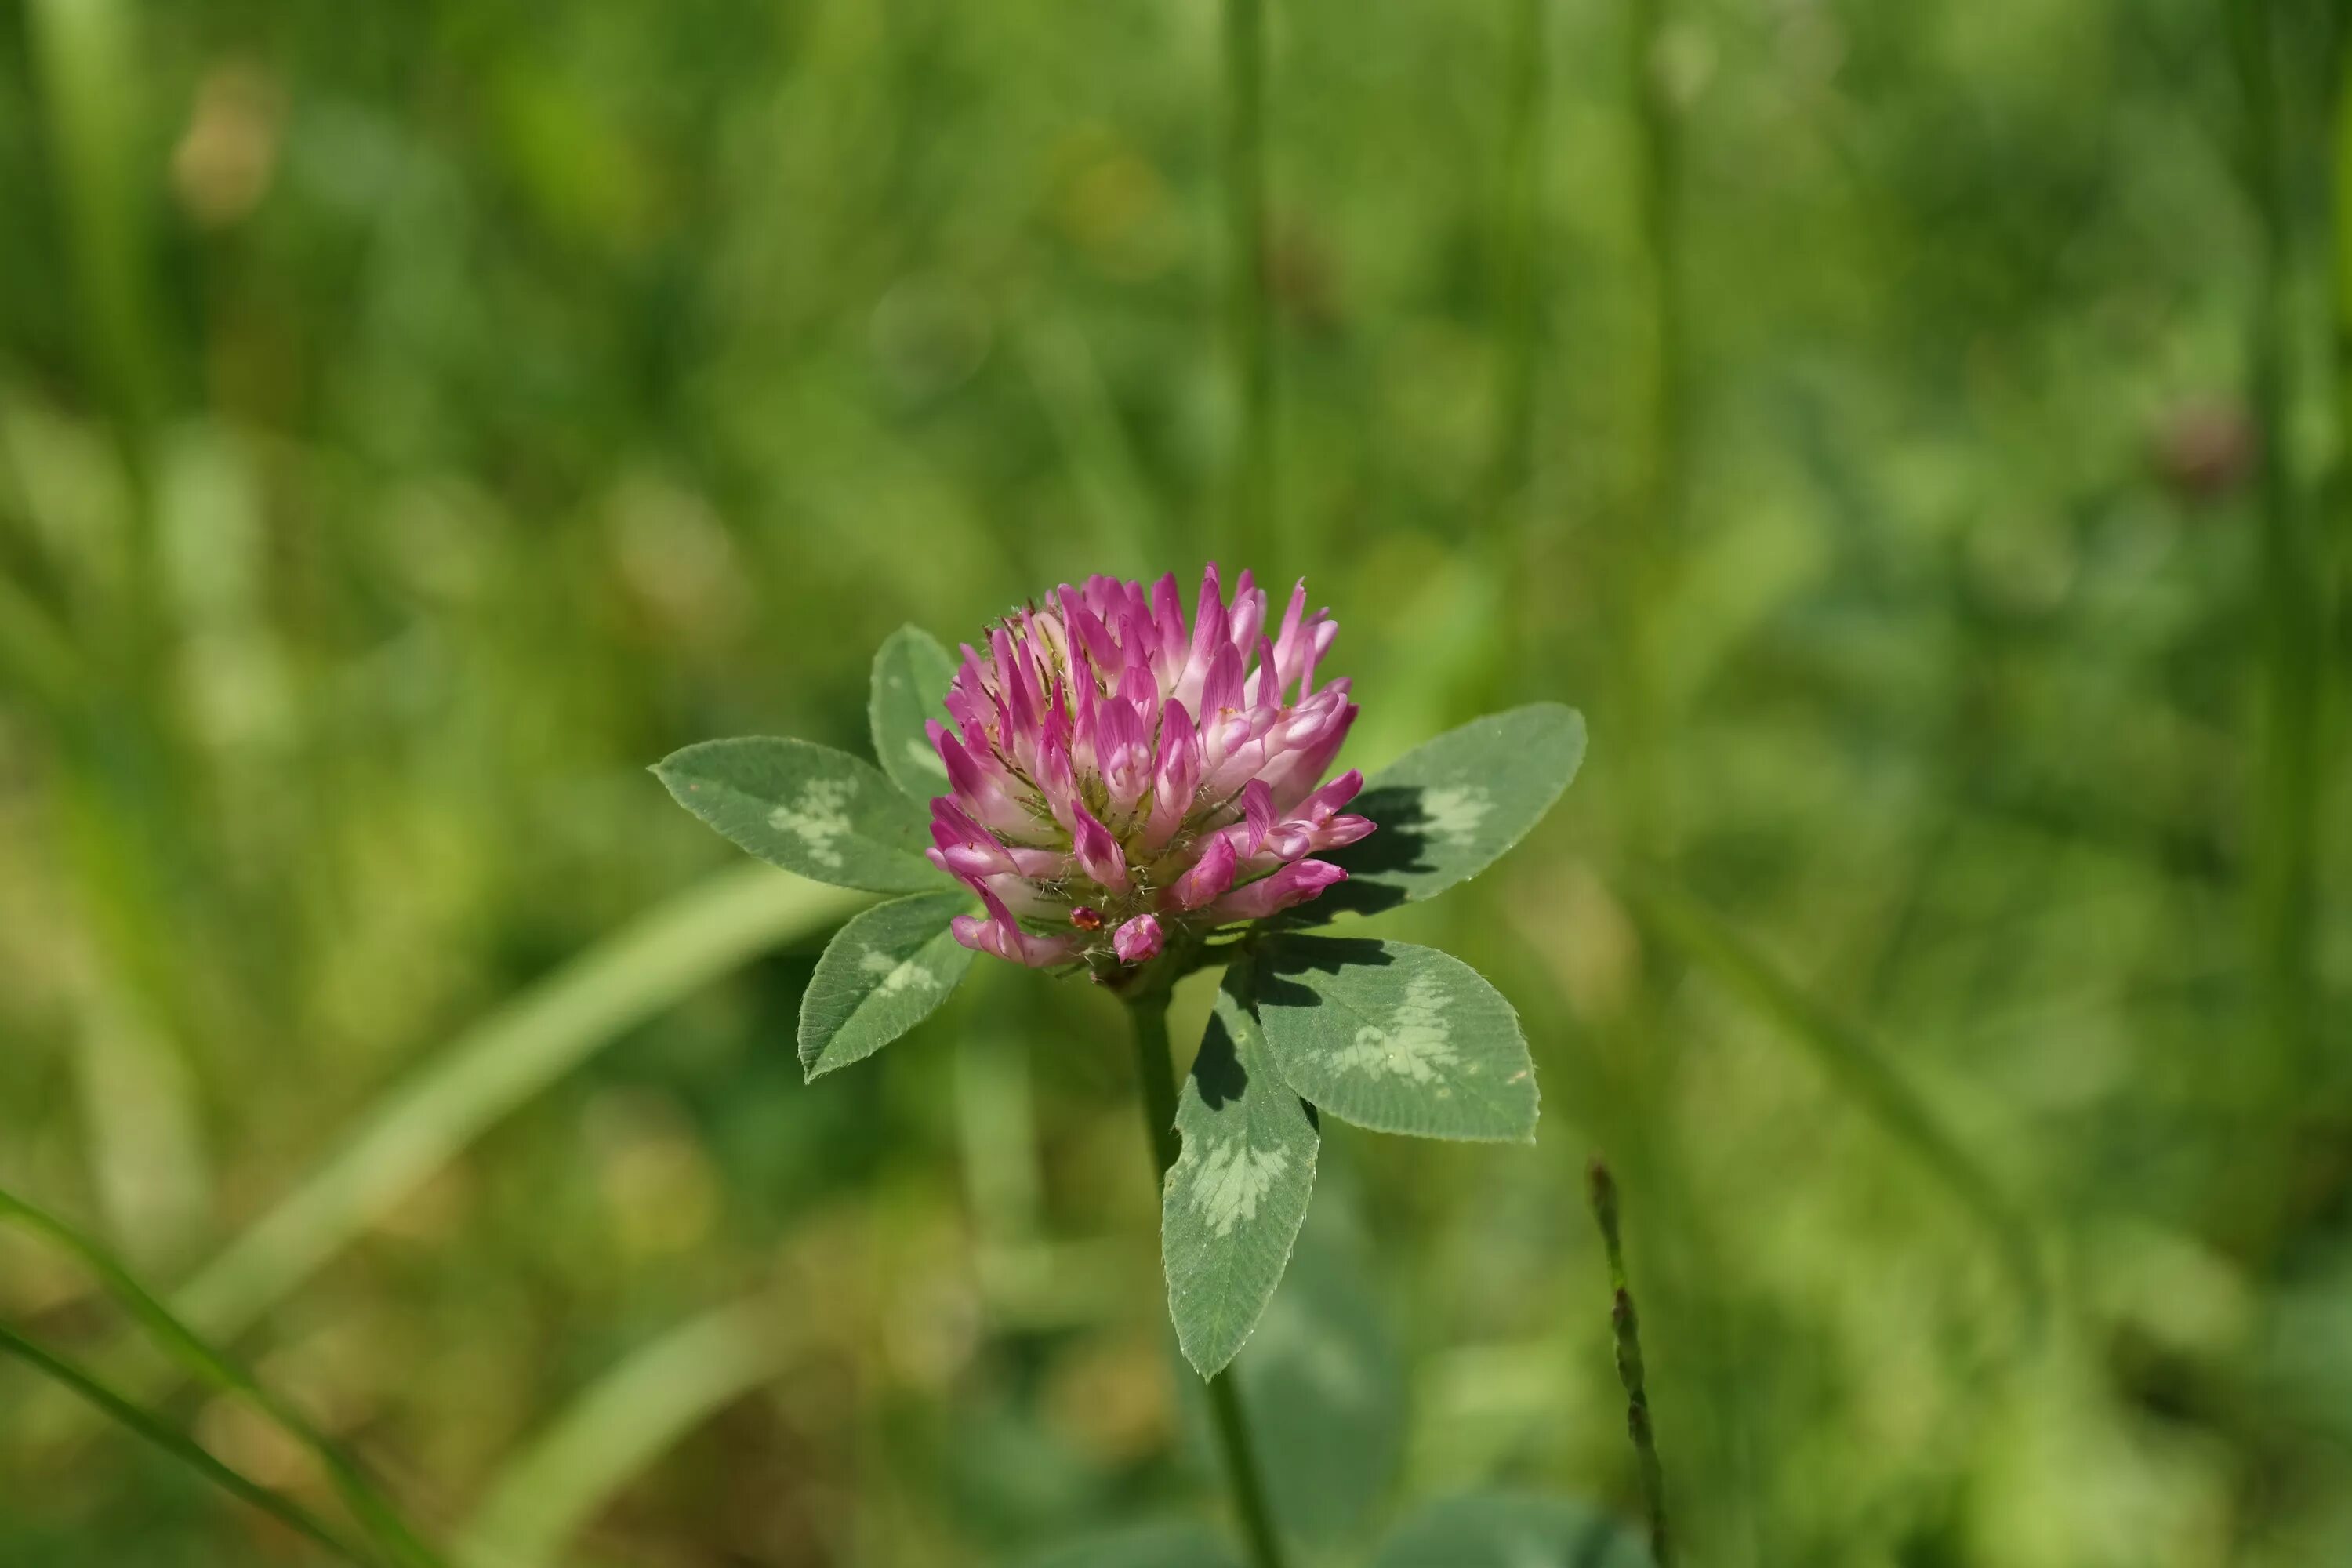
(1115, 778)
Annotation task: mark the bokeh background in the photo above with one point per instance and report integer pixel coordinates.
(1910, 432)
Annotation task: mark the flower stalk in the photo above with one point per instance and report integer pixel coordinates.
(1147, 1010)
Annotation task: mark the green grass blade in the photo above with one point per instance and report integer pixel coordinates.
(179, 1445)
(1255, 522)
(1520, 244)
(368, 1505)
(620, 1424)
(1515, 493)
(2289, 610)
(1101, 461)
(1856, 1063)
(86, 57)
(666, 954)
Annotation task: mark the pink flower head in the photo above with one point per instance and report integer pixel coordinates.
(1117, 778)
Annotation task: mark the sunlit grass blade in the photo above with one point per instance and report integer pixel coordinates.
(620, 1425)
(143, 1128)
(86, 56)
(180, 1446)
(486, 1072)
(666, 955)
(1856, 1063)
(367, 1504)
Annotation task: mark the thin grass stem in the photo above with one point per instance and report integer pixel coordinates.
(180, 1446)
(1626, 1326)
(368, 1505)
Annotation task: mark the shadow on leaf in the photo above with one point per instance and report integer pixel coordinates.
(1400, 848)
(1219, 1075)
(1217, 1070)
(1281, 965)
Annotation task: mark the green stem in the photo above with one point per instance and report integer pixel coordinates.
(2339, 297)
(1657, 199)
(1148, 1012)
(1643, 556)
(1525, 90)
(1515, 500)
(1250, 309)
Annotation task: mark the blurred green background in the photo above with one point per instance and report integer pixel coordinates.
(1911, 432)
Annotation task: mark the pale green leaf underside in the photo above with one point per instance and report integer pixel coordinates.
(808, 809)
(1324, 1384)
(1230, 1211)
(1147, 1546)
(1395, 1038)
(911, 675)
(1452, 806)
(1508, 1532)
(882, 974)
